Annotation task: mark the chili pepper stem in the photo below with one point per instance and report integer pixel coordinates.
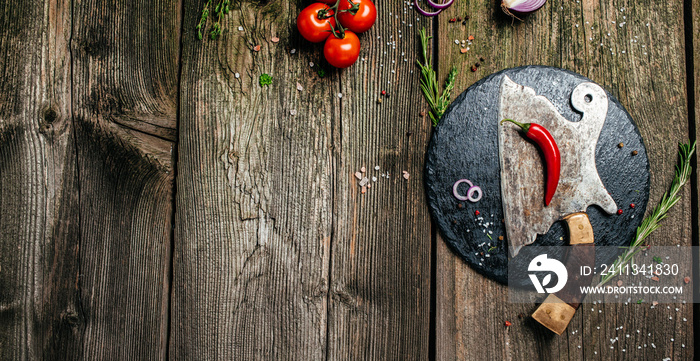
(524, 127)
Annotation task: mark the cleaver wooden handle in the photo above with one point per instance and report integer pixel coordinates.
(554, 313)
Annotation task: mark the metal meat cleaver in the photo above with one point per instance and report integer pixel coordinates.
(523, 178)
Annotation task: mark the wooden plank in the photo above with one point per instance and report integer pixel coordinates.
(256, 169)
(380, 269)
(125, 71)
(39, 303)
(640, 65)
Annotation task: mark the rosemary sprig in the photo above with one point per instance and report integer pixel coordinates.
(653, 221)
(437, 101)
(221, 9)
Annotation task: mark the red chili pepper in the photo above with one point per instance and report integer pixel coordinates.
(508, 323)
(541, 136)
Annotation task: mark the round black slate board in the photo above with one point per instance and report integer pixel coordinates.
(465, 145)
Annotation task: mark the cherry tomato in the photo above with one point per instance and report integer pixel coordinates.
(362, 20)
(311, 27)
(341, 53)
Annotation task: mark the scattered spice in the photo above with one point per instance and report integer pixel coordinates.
(379, 100)
(508, 323)
(383, 92)
(257, 48)
(463, 50)
(621, 145)
(619, 283)
(476, 213)
(500, 238)
(634, 152)
(321, 73)
(406, 175)
(299, 87)
(473, 68)
(363, 169)
(686, 279)
(453, 20)
(275, 39)
(655, 279)
(632, 205)
(460, 205)
(358, 175)
(470, 38)
(619, 212)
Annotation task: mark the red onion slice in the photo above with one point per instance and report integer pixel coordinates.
(444, 5)
(423, 12)
(471, 192)
(522, 6)
(456, 194)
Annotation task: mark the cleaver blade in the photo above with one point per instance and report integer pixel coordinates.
(522, 167)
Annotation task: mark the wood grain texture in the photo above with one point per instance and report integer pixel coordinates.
(380, 266)
(40, 314)
(125, 79)
(256, 169)
(640, 65)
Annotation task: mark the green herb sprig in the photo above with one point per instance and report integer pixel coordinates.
(437, 101)
(653, 221)
(265, 79)
(221, 9)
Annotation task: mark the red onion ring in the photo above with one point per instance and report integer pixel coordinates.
(440, 6)
(456, 194)
(423, 12)
(471, 191)
(526, 6)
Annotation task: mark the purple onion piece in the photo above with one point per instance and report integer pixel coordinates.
(454, 189)
(444, 5)
(423, 12)
(471, 191)
(526, 6)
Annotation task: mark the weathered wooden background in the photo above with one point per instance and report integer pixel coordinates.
(156, 202)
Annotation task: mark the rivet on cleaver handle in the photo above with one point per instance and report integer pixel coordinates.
(558, 309)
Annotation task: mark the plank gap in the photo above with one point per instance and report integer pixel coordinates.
(688, 27)
(170, 270)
